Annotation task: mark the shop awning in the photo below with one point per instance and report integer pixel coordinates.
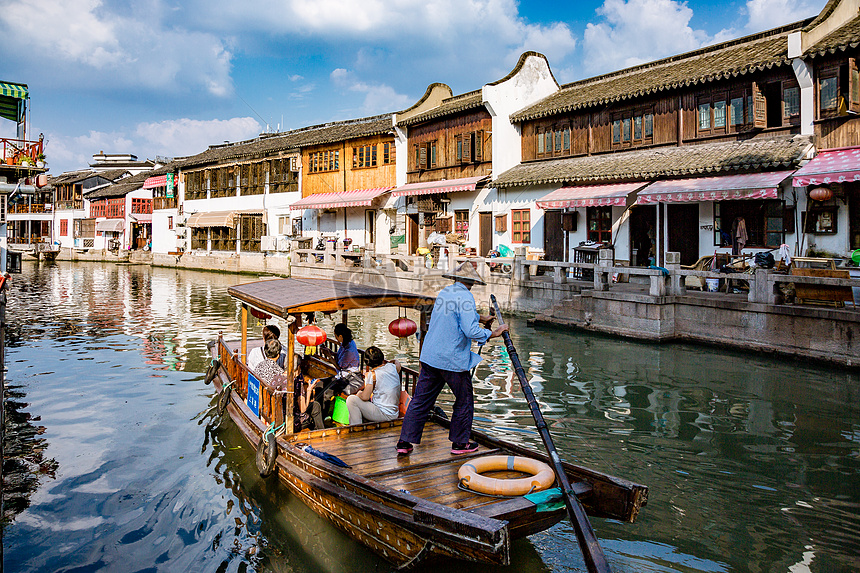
(436, 187)
(722, 188)
(355, 198)
(589, 196)
(12, 101)
(142, 217)
(157, 181)
(212, 219)
(830, 166)
(110, 225)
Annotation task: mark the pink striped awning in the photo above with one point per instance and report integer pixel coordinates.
(157, 181)
(589, 196)
(355, 198)
(438, 187)
(830, 166)
(722, 188)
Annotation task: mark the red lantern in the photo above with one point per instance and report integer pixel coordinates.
(821, 194)
(311, 335)
(402, 327)
(259, 314)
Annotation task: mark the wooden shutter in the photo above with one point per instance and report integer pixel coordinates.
(759, 106)
(479, 145)
(502, 223)
(853, 86)
(467, 147)
(422, 157)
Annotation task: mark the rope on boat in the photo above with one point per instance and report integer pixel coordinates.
(464, 488)
(273, 430)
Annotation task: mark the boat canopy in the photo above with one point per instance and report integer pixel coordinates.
(282, 297)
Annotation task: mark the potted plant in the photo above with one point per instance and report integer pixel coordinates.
(40, 160)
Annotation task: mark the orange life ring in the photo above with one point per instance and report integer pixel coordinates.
(540, 479)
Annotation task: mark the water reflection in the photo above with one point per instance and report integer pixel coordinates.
(753, 462)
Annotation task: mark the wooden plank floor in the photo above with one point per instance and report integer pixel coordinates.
(429, 472)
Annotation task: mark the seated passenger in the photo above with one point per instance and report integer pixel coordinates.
(266, 370)
(379, 400)
(255, 355)
(347, 354)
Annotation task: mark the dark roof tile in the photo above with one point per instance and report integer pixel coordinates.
(661, 162)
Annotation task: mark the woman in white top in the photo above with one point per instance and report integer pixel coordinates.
(379, 400)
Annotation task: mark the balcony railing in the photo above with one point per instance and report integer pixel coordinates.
(164, 203)
(20, 151)
(35, 208)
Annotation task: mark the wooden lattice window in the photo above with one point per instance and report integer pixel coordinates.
(521, 226)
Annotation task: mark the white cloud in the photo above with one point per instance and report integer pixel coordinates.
(170, 138)
(84, 42)
(767, 14)
(180, 137)
(378, 98)
(637, 31)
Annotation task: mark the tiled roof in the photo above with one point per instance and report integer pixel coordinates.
(70, 177)
(848, 36)
(662, 162)
(721, 61)
(291, 140)
(121, 188)
(448, 106)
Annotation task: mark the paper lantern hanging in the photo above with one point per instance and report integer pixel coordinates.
(821, 194)
(310, 337)
(260, 315)
(402, 327)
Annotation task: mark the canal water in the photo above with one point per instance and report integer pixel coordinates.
(116, 460)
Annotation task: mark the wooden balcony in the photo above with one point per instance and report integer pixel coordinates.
(21, 152)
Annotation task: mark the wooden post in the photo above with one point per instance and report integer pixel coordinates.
(244, 347)
(423, 326)
(290, 397)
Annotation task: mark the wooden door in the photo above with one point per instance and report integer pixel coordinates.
(411, 233)
(485, 237)
(643, 234)
(682, 220)
(553, 236)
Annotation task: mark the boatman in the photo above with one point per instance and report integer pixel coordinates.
(446, 358)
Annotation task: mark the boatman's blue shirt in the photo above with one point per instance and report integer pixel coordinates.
(453, 327)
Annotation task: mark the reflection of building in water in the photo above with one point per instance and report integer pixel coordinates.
(24, 464)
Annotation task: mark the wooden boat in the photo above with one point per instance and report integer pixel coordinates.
(407, 509)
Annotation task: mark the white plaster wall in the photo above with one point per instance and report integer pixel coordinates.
(163, 238)
(519, 198)
(531, 83)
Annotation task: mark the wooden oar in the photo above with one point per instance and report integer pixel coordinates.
(595, 560)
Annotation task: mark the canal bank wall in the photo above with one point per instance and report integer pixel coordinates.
(830, 335)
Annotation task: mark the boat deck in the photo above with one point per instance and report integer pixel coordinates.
(429, 472)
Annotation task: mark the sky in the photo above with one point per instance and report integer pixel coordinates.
(168, 78)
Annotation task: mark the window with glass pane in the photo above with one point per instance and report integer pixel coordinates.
(616, 131)
(719, 114)
(558, 141)
(828, 93)
(566, 143)
(736, 111)
(791, 101)
(750, 109)
(548, 140)
(637, 127)
(625, 126)
(704, 116)
(648, 125)
(521, 226)
(599, 221)
(540, 142)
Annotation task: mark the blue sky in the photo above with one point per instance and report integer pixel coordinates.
(171, 77)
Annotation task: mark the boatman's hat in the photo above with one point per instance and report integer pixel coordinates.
(465, 273)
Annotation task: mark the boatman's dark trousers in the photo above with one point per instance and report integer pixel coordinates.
(430, 383)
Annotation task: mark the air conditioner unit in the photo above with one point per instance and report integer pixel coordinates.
(268, 243)
(180, 241)
(283, 243)
(294, 163)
